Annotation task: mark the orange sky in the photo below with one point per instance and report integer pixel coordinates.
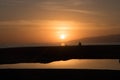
(49, 31)
(44, 21)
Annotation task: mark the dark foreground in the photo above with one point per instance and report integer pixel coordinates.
(59, 74)
(56, 53)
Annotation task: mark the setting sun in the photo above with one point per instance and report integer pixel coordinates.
(62, 36)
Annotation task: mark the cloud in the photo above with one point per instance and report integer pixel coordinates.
(17, 2)
(81, 11)
(24, 22)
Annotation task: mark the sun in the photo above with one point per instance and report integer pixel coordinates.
(62, 36)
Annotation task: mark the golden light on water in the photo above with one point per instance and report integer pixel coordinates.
(66, 63)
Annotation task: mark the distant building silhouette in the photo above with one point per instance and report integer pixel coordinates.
(79, 44)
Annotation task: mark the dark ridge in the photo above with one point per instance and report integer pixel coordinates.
(56, 53)
(59, 74)
(115, 38)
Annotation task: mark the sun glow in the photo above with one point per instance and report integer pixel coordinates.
(62, 36)
(64, 30)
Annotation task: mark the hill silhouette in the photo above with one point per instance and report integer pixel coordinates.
(107, 39)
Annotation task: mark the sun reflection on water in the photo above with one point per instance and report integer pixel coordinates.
(63, 64)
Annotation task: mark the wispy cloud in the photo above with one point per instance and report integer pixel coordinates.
(81, 11)
(24, 22)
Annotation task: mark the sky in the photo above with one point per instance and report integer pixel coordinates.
(43, 21)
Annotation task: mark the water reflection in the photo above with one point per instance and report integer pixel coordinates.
(69, 64)
(62, 44)
(64, 64)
